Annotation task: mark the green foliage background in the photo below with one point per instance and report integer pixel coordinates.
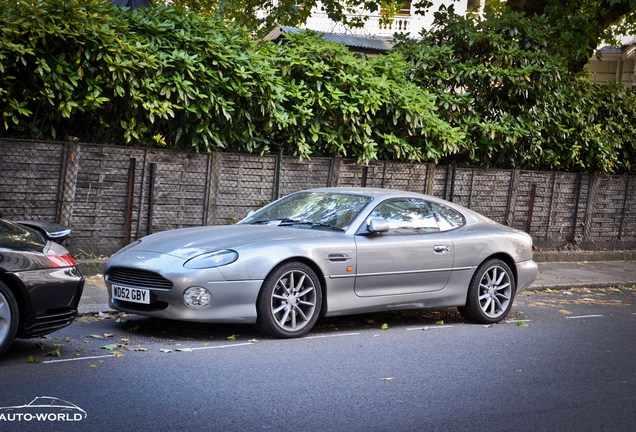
(485, 94)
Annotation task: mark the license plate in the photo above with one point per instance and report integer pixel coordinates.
(134, 295)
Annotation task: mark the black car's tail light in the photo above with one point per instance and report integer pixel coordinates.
(58, 256)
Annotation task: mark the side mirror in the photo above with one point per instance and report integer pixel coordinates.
(378, 226)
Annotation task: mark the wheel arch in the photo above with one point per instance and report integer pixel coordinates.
(16, 289)
(316, 268)
(510, 262)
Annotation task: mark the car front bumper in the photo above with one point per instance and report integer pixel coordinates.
(232, 302)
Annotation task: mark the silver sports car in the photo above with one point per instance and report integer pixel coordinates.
(326, 252)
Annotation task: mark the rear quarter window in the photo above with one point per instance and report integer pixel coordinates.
(447, 218)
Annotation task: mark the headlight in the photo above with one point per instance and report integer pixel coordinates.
(197, 298)
(212, 259)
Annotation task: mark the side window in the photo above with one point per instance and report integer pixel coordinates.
(407, 216)
(447, 218)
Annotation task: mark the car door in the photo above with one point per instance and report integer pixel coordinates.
(414, 256)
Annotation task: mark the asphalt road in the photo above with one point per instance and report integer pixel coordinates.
(564, 361)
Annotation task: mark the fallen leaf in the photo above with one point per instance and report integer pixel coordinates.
(385, 326)
(253, 340)
(32, 359)
(57, 352)
(522, 324)
(440, 322)
(232, 337)
(94, 336)
(565, 312)
(141, 349)
(111, 347)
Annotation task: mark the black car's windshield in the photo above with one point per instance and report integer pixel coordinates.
(323, 210)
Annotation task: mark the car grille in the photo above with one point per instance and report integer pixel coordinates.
(139, 278)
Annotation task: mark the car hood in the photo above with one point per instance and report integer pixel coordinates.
(186, 243)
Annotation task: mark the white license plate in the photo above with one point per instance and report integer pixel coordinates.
(134, 295)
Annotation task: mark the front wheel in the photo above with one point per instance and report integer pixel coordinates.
(8, 318)
(289, 302)
(490, 293)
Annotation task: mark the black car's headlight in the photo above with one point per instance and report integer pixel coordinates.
(212, 259)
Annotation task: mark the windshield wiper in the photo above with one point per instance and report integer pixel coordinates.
(289, 222)
(275, 222)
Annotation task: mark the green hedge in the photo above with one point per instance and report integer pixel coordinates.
(485, 94)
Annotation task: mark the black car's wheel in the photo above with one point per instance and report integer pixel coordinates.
(490, 294)
(8, 318)
(289, 302)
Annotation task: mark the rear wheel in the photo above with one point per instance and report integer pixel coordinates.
(289, 302)
(8, 318)
(490, 293)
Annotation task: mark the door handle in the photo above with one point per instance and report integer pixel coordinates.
(441, 248)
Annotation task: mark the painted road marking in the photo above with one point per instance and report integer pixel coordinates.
(331, 335)
(433, 327)
(215, 347)
(583, 316)
(78, 358)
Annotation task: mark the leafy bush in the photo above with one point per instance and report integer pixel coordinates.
(92, 70)
(517, 104)
(340, 104)
(485, 93)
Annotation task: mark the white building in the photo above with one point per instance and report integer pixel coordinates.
(616, 63)
(406, 21)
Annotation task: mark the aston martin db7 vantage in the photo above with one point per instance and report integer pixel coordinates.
(326, 252)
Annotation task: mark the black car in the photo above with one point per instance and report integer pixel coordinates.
(40, 285)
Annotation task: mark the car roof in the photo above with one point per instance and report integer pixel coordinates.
(368, 191)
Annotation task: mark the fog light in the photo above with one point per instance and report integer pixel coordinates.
(197, 297)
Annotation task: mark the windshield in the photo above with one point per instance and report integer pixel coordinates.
(312, 210)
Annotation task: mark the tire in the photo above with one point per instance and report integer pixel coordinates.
(490, 294)
(289, 303)
(8, 318)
